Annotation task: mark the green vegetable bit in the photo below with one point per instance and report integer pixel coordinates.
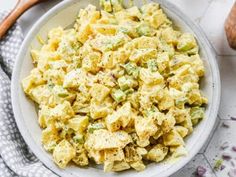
(125, 82)
(113, 43)
(61, 92)
(129, 91)
(218, 164)
(78, 138)
(132, 69)
(118, 95)
(95, 126)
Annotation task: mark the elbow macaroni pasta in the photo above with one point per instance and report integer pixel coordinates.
(120, 87)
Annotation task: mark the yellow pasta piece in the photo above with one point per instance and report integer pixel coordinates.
(149, 77)
(99, 92)
(145, 128)
(157, 153)
(173, 138)
(120, 118)
(108, 140)
(63, 153)
(143, 55)
(34, 79)
(78, 123)
(74, 78)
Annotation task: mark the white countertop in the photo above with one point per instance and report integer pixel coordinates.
(210, 15)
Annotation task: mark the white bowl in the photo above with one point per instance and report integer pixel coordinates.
(26, 116)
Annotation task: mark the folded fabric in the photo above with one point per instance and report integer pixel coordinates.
(15, 157)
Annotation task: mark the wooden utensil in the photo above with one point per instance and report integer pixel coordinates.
(230, 27)
(19, 9)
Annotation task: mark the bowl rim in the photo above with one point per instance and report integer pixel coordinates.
(63, 4)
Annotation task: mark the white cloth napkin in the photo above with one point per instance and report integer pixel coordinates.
(15, 157)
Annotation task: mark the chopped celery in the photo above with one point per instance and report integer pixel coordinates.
(63, 94)
(132, 69)
(95, 126)
(60, 91)
(114, 42)
(118, 96)
(126, 82)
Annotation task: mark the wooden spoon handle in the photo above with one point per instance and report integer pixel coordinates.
(230, 27)
(18, 10)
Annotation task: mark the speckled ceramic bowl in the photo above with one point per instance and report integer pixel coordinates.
(63, 15)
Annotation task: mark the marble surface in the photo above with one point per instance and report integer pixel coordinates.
(210, 16)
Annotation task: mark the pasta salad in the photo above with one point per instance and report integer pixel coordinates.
(120, 88)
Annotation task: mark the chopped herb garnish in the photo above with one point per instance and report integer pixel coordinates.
(51, 85)
(132, 69)
(218, 164)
